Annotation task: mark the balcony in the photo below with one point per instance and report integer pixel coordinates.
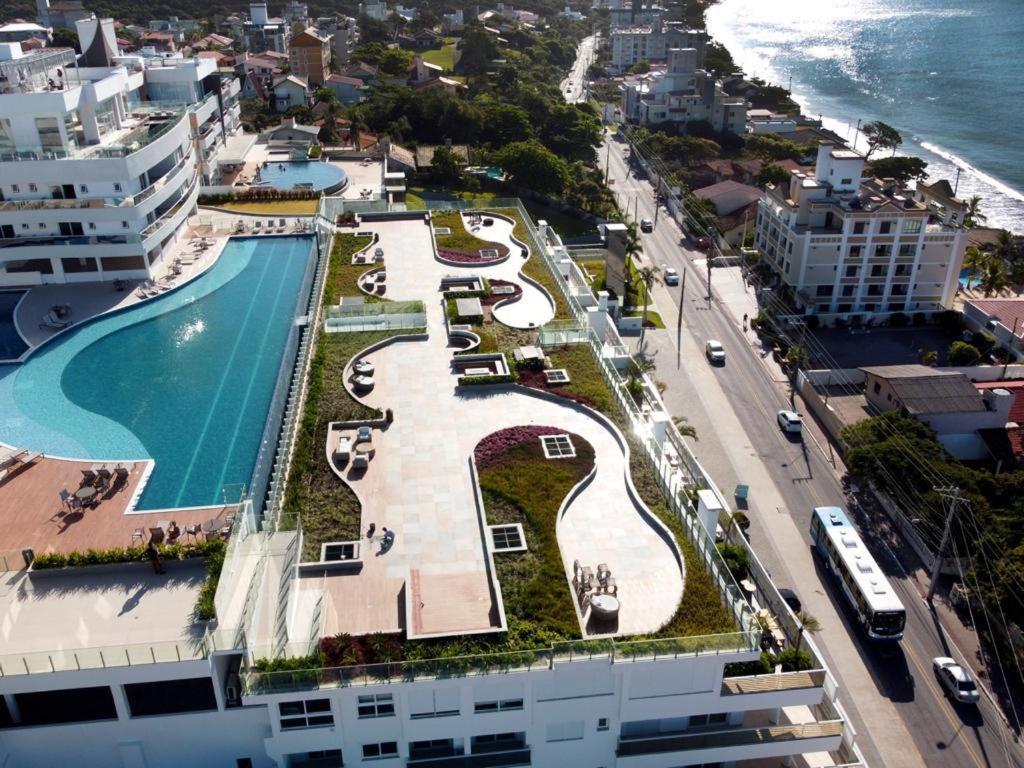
(830, 731)
(129, 141)
(186, 201)
(787, 681)
(515, 757)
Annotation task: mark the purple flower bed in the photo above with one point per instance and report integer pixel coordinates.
(468, 258)
(491, 449)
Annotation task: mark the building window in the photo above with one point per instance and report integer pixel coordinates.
(499, 742)
(902, 270)
(15, 188)
(117, 186)
(823, 290)
(380, 751)
(858, 227)
(699, 721)
(878, 270)
(440, 703)
(852, 271)
(846, 182)
(883, 251)
(602, 724)
(848, 290)
(314, 713)
(32, 188)
(906, 250)
(912, 226)
(884, 227)
(92, 225)
(855, 251)
(376, 705)
(124, 225)
(83, 189)
(565, 731)
(497, 706)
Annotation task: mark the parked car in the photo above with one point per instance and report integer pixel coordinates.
(704, 244)
(789, 598)
(670, 276)
(646, 225)
(715, 352)
(957, 681)
(790, 421)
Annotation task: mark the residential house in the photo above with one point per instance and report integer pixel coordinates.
(939, 197)
(310, 55)
(852, 248)
(61, 14)
(735, 205)
(161, 42)
(766, 121)
(945, 400)
(296, 12)
(19, 31)
(682, 94)
(290, 132)
(1003, 318)
(289, 91)
(344, 34)
(214, 42)
(453, 22)
(349, 90)
(400, 158)
(447, 84)
(421, 71)
(360, 70)
(375, 9)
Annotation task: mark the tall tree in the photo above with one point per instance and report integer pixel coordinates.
(531, 164)
(808, 623)
(881, 136)
(647, 277)
(974, 262)
(903, 169)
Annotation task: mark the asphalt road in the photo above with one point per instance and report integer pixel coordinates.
(573, 87)
(889, 691)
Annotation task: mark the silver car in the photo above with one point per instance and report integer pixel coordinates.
(715, 352)
(957, 681)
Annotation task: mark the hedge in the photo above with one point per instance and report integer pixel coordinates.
(176, 551)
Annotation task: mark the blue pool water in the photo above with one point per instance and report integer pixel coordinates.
(12, 346)
(186, 379)
(292, 173)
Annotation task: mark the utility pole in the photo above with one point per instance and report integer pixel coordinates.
(856, 134)
(708, 261)
(956, 184)
(682, 298)
(607, 162)
(953, 495)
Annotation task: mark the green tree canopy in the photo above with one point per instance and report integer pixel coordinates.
(444, 165)
(902, 169)
(962, 353)
(771, 174)
(881, 136)
(533, 165)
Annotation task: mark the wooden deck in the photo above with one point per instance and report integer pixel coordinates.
(32, 516)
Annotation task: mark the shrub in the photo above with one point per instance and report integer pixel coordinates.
(735, 558)
(761, 666)
(315, 152)
(793, 660)
(962, 353)
(951, 321)
(983, 341)
(494, 447)
(497, 378)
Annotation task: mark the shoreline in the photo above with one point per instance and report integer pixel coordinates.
(1002, 202)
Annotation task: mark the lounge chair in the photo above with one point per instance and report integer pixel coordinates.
(360, 462)
(50, 320)
(88, 477)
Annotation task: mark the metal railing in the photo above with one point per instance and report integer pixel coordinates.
(102, 657)
(786, 681)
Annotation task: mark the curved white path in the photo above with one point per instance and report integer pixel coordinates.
(419, 481)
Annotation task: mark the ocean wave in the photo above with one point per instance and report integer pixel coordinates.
(966, 168)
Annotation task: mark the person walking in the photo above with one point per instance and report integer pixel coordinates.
(154, 557)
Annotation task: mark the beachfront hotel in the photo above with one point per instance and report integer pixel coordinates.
(851, 249)
(249, 515)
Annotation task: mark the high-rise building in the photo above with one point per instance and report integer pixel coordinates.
(101, 159)
(310, 56)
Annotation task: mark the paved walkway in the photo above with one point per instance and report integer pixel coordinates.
(419, 484)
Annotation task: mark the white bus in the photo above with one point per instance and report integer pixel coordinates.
(869, 593)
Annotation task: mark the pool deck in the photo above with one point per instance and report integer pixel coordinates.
(420, 485)
(34, 517)
(89, 300)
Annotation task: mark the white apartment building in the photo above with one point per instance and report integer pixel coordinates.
(681, 94)
(653, 42)
(855, 248)
(101, 165)
(107, 667)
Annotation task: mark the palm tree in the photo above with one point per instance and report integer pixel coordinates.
(638, 368)
(647, 277)
(974, 262)
(993, 278)
(807, 623)
(686, 429)
(973, 215)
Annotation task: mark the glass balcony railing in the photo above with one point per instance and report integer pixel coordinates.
(507, 759)
(127, 145)
(740, 737)
(627, 652)
(162, 219)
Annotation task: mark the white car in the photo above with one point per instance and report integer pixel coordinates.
(670, 276)
(715, 351)
(790, 421)
(646, 225)
(957, 681)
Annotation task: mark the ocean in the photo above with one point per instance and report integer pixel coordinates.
(947, 74)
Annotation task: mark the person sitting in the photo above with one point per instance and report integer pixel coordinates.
(173, 531)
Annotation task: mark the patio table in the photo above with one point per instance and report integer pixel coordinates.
(604, 606)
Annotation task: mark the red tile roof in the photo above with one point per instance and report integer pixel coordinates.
(1006, 311)
(1014, 386)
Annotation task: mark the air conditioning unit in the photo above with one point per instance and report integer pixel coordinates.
(233, 690)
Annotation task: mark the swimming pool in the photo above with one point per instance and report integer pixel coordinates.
(12, 346)
(186, 379)
(319, 175)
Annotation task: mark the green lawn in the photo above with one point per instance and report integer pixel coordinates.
(342, 274)
(653, 318)
(597, 271)
(272, 207)
(460, 239)
(441, 57)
